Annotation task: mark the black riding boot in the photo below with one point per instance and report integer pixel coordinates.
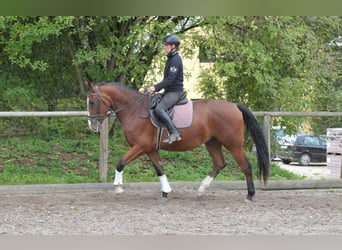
(173, 131)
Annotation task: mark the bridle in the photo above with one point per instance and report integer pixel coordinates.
(98, 116)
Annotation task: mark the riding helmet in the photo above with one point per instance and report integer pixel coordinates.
(172, 39)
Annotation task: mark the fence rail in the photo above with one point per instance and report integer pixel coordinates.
(307, 114)
(44, 114)
(104, 134)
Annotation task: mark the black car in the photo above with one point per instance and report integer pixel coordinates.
(306, 149)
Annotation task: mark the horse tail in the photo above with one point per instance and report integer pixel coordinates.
(258, 137)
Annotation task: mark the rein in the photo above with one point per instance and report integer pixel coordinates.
(98, 116)
(128, 104)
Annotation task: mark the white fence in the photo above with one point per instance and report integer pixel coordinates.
(104, 133)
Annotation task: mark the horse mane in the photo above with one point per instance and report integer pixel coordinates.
(120, 85)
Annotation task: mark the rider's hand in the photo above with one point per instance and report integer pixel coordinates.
(151, 89)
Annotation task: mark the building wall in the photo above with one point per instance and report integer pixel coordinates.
(193, 68)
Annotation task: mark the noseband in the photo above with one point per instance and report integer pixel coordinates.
(98, 115)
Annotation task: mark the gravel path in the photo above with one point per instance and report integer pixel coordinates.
(316, 171)
(140, 211)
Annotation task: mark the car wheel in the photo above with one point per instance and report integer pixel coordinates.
(286, 161)
(304, 160)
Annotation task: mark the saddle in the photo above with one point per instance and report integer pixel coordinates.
(183, 108)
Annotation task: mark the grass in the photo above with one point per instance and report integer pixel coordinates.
(58, 159)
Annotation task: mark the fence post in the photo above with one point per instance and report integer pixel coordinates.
(103, 167)
(341, 169)
(267, 133)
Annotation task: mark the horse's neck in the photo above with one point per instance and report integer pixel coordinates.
(127, 105)
(121, 97)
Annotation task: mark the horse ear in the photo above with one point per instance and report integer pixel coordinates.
(88, 85)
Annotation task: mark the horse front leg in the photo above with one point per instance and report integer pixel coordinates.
(131, 155)
(165, 186)
(118, 178)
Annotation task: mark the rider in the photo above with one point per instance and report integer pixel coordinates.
(172, 85)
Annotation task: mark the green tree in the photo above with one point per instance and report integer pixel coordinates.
(55, 55)
(268, 63)
(272, 63)
(34, 57)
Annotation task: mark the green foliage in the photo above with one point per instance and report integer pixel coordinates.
(268, 63)
(54, 55)
(61, 159)
(278, 173)
(23, 33)
(20, 98)
(274, 63)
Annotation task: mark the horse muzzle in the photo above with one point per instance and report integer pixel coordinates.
(94, 125)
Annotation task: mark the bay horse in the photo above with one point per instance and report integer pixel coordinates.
(216, 123)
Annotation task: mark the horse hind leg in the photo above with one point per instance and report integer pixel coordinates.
(246, 168)
(214, 148)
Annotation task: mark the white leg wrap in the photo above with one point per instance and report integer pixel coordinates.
(165, 186)
(118, 182)
(205, 184)
(118, 178)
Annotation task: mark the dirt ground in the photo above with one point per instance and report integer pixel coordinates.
(140, 211)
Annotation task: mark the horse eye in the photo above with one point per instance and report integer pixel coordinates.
(92, 103)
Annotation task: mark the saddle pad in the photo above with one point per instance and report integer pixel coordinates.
(182, 116)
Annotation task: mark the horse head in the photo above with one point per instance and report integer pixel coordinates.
(98, 107)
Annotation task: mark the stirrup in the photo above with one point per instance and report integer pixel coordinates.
(172, 138)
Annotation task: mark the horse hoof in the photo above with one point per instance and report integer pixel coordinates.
(164, 196)
(200, 193)
(201, 190)
(249, 199)
(118, 190)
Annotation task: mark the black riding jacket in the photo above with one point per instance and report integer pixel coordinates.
(173, 74)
